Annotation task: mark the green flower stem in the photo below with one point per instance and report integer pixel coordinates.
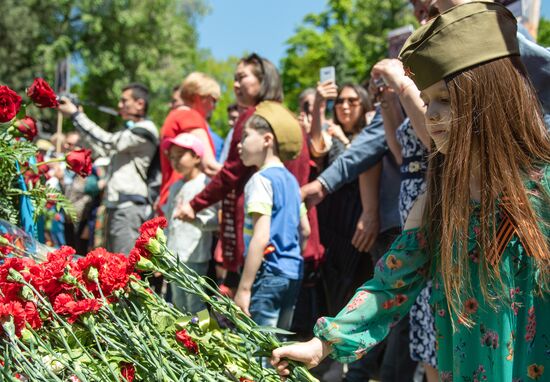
(47, 346)
(58, 320)
(54, 160)
(172, 268)
(53, 377)
(101, 353)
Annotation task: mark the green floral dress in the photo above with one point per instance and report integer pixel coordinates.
(508, 342)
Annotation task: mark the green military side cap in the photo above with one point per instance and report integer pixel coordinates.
(285, 126)
(460, 38)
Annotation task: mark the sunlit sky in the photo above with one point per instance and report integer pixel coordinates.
(237, 26)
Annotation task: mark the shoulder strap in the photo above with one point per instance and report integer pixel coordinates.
(145, 133)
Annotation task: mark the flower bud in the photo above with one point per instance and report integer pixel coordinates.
(9, 327)
(153, 246)
(27, 337)
(161, 237)
(93, 274)
(27, 294)
(53, 364)
(145, 265)
(67, 278)
(88, 320)
(15, 276)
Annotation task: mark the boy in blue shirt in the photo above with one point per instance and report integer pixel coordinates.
(276, 226)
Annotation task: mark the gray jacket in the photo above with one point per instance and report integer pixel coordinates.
(131, 151)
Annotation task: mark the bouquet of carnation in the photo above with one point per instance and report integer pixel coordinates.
(93, 318)
(23, 171)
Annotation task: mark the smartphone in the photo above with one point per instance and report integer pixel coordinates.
(328, 73)
(380, 82)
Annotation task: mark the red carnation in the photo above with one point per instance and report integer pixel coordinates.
(4, 248)
(21, 265)
(153, 224)
(32, 316)
(133, 259)
(47, 277)
(65, 304)
(95, 259)
(42, 94)
(10, 102)
(112, 271)
(128, 371)
(13, 310)
(62, 303)
(147, 231)
(27, 128)
(186, 340)
(80, 161)
(114, 275)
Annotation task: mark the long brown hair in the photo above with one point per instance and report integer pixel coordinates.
(494, 112)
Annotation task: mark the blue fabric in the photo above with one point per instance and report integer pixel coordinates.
(388, 197)
(218, 143)
(26, 209)
(365, 151)
(273, 299)
(286, 260)
(537, 62)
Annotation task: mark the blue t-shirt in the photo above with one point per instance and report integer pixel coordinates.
(274, 191)
(218, 143)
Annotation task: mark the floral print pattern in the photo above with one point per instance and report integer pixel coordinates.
(503, 341)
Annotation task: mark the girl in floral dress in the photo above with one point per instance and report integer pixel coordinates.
(481, 232)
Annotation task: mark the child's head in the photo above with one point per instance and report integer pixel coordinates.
(185, 152)
(271, 130)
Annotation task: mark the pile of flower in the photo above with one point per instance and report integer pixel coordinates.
(93, 318)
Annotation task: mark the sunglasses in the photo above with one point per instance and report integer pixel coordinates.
(352, 101)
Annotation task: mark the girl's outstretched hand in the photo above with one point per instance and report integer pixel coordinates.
(309, 353)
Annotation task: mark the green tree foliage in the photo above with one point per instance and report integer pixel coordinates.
(112, 43)
(350, 35)
(223, 72)
(543, 37)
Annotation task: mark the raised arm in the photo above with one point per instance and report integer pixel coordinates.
(365, 151)
(409, 95)
(325, 90)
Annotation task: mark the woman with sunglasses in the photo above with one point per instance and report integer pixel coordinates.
(339, 212)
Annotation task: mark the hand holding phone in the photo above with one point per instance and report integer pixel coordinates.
(328, 74)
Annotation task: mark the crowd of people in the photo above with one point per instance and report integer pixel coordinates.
(412, 209)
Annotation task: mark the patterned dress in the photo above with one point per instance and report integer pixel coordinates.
(413, 184)
(509, 341)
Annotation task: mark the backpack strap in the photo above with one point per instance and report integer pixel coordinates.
(149, 136)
